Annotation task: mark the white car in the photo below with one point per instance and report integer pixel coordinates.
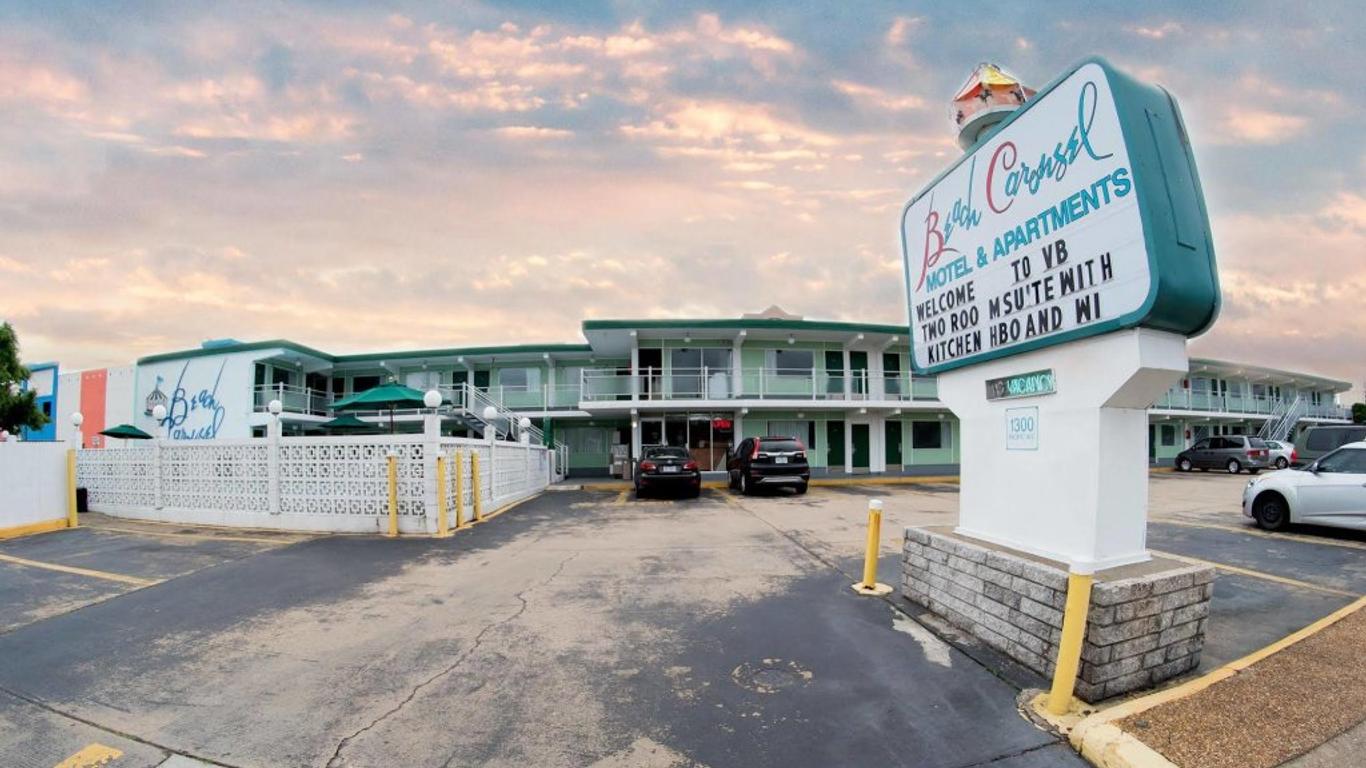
(1283, 454)
(1330, 491)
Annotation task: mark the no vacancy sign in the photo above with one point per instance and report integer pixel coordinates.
(1081, 214)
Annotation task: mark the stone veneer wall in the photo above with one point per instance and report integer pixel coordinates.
(1141, 629)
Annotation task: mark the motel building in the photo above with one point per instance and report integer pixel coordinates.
(845, 389)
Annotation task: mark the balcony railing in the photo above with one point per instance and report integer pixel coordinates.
(599, 385)
(294, 399)
(1194, 400)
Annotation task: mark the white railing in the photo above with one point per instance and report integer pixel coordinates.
(1262, 405)
(608, 384)
(305, 483)
(294, 399)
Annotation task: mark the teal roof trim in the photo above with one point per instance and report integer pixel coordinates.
(254, 346)
(746, 323)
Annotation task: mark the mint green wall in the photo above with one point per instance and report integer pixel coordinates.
(948, 454)
(1168, 452)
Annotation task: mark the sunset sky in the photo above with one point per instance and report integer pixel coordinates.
(357, 177)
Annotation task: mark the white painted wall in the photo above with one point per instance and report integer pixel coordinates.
(1082, 497)
(207, 397)
(32, 482)
(68, 402)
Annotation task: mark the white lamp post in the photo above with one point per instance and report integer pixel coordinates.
(490, 420)
(274, 406)
(77, 419)
(523, 425)
(432, 399)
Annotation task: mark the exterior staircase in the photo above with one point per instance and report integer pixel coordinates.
(1282, 421)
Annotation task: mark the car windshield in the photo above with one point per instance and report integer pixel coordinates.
(666, 453)
(1348, 460)
(1257, 442)
(779, 444)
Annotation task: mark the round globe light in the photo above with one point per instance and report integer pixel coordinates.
(432, 399)
(275, 406)
(490, 413)
(4, 435)
(77, 419)
(159, 413)
(524, 422)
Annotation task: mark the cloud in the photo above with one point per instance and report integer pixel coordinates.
(877, 97)
(1256, 126)
(532, 132)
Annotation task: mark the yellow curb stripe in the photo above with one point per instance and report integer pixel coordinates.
(134, 580)
(1102, 742)
(1251, 531)
(44, 526)
(1257, 574)
(92, 756)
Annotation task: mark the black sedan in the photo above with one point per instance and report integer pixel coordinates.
(663, 467)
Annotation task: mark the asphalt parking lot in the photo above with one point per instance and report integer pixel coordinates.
(581, 628)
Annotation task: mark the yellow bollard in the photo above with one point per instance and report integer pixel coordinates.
(475, 483)
(870, 585)
(441, 529)
(459, 470)
(1069, 650)
(71, 521)
(393, 495)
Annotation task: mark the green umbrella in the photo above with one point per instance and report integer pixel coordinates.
(126, 432)
(347, 423)
(389, 396)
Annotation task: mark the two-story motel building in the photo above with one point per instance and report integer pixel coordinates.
(844, 388)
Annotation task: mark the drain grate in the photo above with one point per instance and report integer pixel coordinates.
(770, 675)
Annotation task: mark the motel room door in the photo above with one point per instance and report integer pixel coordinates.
(834, 445)
(860, 454)
(892, 442)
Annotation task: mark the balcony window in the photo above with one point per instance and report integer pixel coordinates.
(792, 362)
(519, 379)
(362, 383)
(1168, 434)
(423, 380)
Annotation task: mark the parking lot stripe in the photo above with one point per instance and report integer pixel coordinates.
(1250, 531)
(1256, 574)
(179, 534)
(92, 756)
(134, 580)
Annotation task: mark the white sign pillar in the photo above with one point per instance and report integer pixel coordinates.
(1072, 485)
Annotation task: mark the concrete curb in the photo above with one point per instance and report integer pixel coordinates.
(1099, 739)
(817, 482)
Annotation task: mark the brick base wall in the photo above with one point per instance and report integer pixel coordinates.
(1145, 624)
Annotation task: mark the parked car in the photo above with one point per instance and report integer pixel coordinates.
(663, 466)
(1283, 454)
(1330, 491)
(1232, 453)
(768, 462)
(1319, 441)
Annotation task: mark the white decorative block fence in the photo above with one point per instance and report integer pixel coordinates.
(306, 483)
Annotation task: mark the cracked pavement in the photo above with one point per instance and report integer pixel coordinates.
(578, 629)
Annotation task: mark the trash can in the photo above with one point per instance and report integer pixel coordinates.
(82, 500)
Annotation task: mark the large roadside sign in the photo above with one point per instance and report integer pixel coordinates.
(1080, 214)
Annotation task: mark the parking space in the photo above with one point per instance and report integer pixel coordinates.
(580, 628)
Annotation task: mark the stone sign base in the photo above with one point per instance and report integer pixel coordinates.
(1146, 621)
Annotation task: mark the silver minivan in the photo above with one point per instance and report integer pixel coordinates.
(1233, 453)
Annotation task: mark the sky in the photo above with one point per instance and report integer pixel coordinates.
(372, 176)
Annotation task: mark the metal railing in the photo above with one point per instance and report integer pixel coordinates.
(1262, 405)
(607, 384)
(294, 399)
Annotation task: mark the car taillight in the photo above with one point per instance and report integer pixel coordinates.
(1294, 456)
(801, 447)
(755, 455)
(799, 455)
(691, 466)
(647, 466)
(1250, 454)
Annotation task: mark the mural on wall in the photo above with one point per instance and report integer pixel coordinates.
(197, 416)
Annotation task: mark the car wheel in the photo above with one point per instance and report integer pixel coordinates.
(730, 480)
(801, 489)
(1270, 512)
(1233, 467)
(1282, 462)
(695, 493)
(1183, 464)
(745, 487)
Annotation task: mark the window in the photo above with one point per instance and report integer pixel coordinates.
(1344, 461)
(423, 380)
(1202, 445)
(338, 386)
(927, 434)
(281, 376)
(260, 374)
(362, 383)
(1168, 434)
(792, 362)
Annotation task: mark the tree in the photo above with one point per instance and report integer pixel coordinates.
(18, 409)
(1359, 413)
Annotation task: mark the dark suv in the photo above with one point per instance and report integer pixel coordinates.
(768, 462)
(1233, 453)
(665, 467)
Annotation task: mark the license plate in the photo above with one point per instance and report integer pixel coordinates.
(668, 468)
(779, 459)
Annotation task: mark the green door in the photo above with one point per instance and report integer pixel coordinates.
(834, 382)
(893, 442)
(481, 380)
(860, 432)
(858, 369)
(834, 441)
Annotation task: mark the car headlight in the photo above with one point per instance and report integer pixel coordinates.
(1251, 483)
